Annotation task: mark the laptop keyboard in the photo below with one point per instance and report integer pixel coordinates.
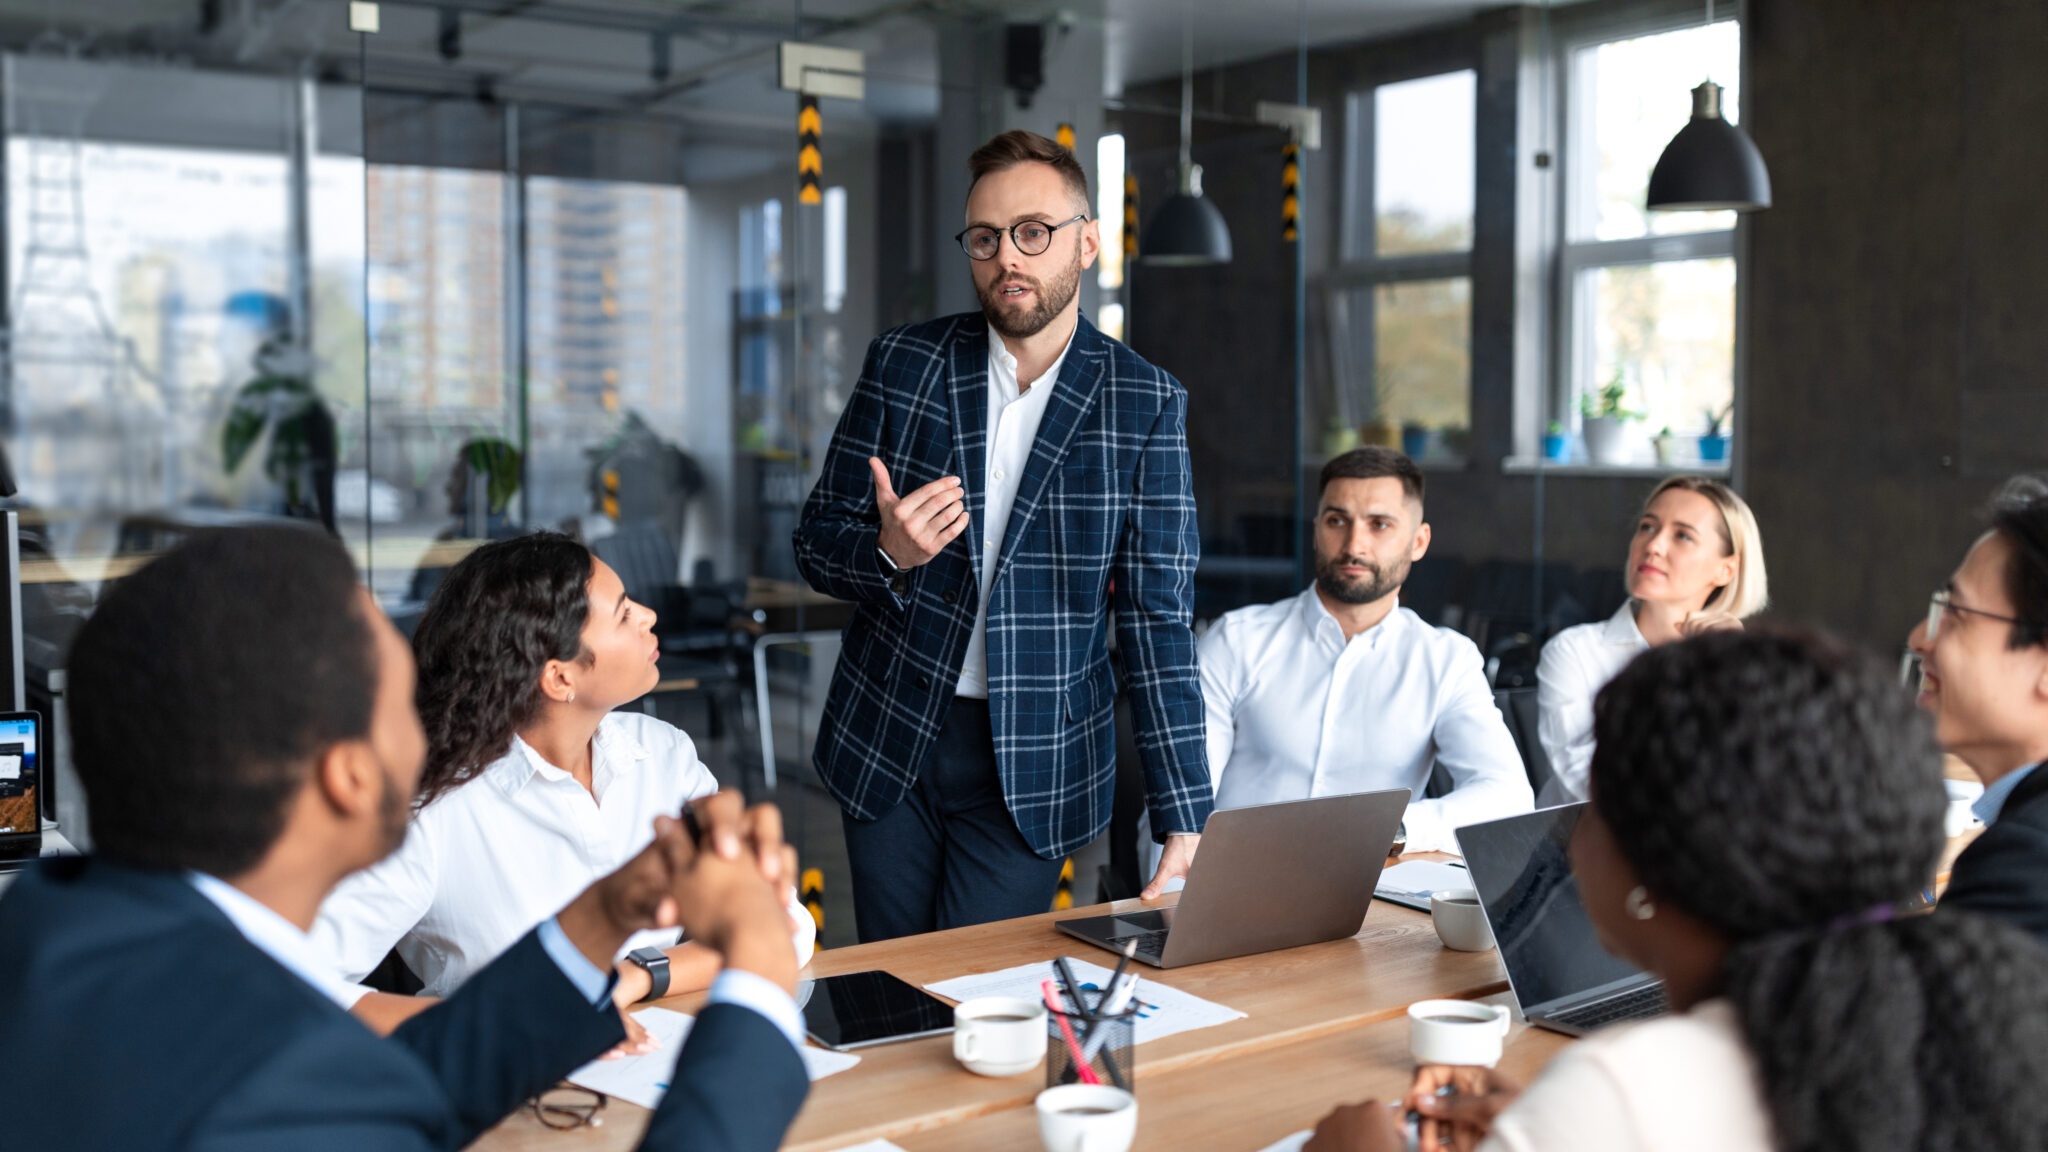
(1151, 943)
(1640, 1004)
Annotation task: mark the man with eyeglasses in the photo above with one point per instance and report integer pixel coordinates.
(1000, 486)
(1983, 653)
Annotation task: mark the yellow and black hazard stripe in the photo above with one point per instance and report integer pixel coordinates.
(810, 166)
(1063, 898)
(1130, 217)
(1065, 135)
(811, 890)
(1290, 193)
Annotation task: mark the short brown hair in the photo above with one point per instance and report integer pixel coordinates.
(1020, 147)
(1370, 463)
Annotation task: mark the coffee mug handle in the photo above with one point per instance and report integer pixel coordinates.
(1502, 1018)
(963, 1043)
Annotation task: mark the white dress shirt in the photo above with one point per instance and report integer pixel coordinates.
(1295, 711)
(1680, 1083)
(503, 852)
(1577, 663)
(1013, 416)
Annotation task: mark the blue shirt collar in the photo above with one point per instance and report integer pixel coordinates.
(1992, 802)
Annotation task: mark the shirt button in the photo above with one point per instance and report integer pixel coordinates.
(949, 597)
(924, 681)
(999, 473)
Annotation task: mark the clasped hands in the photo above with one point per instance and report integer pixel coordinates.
(1457, 1106)
(727, 887)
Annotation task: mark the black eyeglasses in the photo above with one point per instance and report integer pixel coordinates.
(1943, 602)
(567, 1107)
(1032, 238)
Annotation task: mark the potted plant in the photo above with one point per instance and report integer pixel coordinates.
(1666, 444)
(1557, 447)
(1606, 422)
(1414, 440)
(1714, 444)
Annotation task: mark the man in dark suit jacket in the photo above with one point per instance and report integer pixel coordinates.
(968, 734)
(244, 730)
(1984, 676)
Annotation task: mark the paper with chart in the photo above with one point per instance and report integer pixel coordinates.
(1410, 882)
(1163, 1011)
(644, 1079)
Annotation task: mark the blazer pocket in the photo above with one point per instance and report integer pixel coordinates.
(1096, 691)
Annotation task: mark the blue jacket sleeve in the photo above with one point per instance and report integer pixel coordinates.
(836, 538)
(737, 1087)
(1154, 571)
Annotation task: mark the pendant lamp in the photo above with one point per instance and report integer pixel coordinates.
(1711, 165)
(1187, 231)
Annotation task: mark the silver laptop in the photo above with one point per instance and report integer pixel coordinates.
(1268, 877)
(1561, 976)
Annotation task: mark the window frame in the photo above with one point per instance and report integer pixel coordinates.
(1570, 334)
(1360, 268)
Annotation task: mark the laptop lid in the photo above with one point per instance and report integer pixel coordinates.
(1276, 876)
(1522, 870)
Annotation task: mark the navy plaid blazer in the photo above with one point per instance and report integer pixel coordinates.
(1104, 519)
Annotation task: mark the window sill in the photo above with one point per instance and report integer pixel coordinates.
(1530, 465)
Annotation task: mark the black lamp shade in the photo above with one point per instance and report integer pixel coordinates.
(1187, 232)
(1710, 166)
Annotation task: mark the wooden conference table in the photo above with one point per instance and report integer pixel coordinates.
(1323, 1023)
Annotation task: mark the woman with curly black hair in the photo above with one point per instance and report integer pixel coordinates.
(1761, 806)
(535, 784)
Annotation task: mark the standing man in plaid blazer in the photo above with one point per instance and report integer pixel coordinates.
(998, 485)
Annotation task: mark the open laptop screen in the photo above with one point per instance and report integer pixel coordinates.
(1523, 874)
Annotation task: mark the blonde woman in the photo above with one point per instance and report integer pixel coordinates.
(1695, 564)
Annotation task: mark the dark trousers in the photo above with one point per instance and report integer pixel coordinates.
(950, 854)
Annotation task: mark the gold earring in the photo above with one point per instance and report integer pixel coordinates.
(1638, 903)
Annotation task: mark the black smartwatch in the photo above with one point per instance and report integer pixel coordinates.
(897, 577)
(656, 963)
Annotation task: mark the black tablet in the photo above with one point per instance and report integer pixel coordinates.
(862, 1008)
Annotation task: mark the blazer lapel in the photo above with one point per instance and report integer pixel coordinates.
(1072, 396)
(967, 400)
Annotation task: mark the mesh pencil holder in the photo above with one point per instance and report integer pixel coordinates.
(1110, 1041)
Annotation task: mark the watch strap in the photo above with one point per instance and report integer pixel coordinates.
(655, 961)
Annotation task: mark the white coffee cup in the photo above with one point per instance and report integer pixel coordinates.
(999, 1035)
(1460, 920)
(1457, 1032)
(1087, 1118)
(1961, 816)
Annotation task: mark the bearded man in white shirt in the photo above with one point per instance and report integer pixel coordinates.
(1342, 690)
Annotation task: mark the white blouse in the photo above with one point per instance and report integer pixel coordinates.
(1684, 1083)
(1577, 663)
(483, 864)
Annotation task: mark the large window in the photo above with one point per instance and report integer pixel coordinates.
(1647, 320)
(1400, 304)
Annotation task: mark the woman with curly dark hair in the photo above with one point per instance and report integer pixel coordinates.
(1762, 804)
(535, 783)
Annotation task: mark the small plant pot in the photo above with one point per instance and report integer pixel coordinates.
(1667, 450)
(1557, 449)
(1713, 449)
(1414, 442)
(1607, 440)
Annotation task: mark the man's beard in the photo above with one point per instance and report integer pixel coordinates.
(1362, 589)
(1052, 299)
(394, 814)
